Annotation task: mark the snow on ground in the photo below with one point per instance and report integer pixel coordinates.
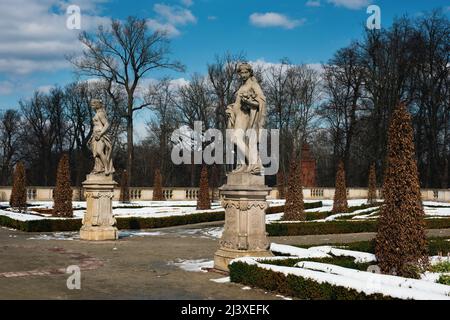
(439, 259)
(221, 280)
(338, 215)
(56, 236)
(430, 276)
(135, 233)
(283, 297)
(199, 265)
(437, 211)
(298, 252)
(23, 216)
(371, 215)
(360, 257)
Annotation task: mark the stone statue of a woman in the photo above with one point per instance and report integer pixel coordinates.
(100, 142)
(246, 116)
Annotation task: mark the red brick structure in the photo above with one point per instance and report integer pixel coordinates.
(308, 167)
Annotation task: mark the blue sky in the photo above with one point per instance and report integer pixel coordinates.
(34, 39)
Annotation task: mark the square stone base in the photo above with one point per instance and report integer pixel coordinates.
(99, 233)
(223, 256)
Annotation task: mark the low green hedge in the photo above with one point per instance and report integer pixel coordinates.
(44, 225)
(307, 205)
(294, 286)
(51, 225)
(163, 222)
(337, 227)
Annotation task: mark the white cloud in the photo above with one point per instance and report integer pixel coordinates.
(187, 3)
(350, 4)
(273, 19)
(45, 89)
(212, 18)
(312, 3)
(174, 15)
(264, 65)
(34, 36)
(170, 29)
(6, 87)
(169, 18)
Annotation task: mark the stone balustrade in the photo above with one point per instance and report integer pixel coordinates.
(179, 193)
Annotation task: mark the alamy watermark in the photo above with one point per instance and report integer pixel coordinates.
(73, 21)
(374, 20)
(74, 280)
(193, 146)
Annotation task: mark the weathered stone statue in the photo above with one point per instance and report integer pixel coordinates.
(244, 194)
(246, 116)
(100, 142)
(98, 222)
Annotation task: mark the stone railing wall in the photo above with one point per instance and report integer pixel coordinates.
(145, 193)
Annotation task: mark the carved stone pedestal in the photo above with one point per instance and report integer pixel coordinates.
(244, 233)
(98, 222)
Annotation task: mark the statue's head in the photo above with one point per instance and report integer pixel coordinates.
(96, 104)
(245, 70)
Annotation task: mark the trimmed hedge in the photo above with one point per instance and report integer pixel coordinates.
(294, 286)
(280, 208)
(163, 222)
(44, 225)
(338, 227)
(50, 225)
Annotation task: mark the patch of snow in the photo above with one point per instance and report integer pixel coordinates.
(20, 216)
(298, 252)
(438, 259)
(206, 233)
(246, 288)
(57, 236)
(274, 217)
(430, 276)
(338, 215)
(360, 257)
(221, 280)
(193, 265)
(283, 297)
(437, 211)
(132, 233)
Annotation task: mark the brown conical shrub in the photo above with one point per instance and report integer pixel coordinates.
(294, 207)
(401, 246)
(18, 199)
(203, 199)
(62, 194)
(281, 186)
(372, 193)
(340, 194)
(157, 187)
(124, 190)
